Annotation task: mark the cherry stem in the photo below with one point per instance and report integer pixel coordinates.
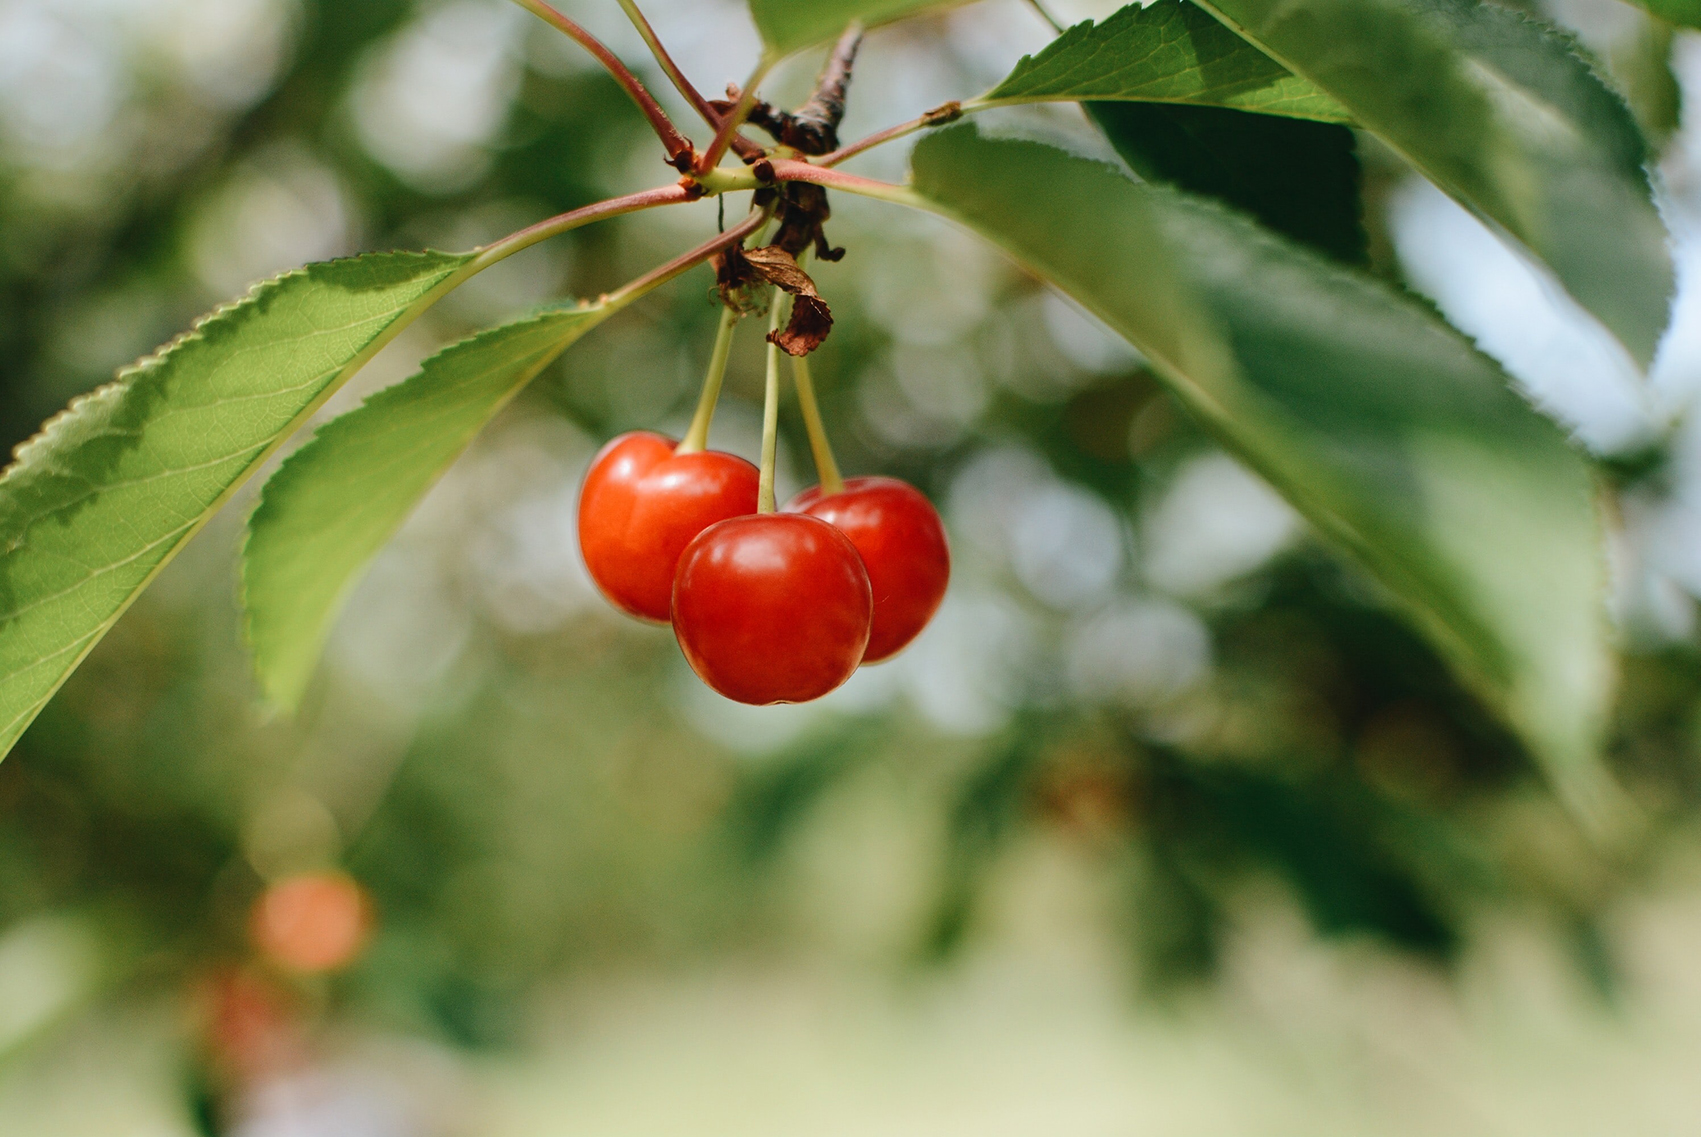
(730, 124)
(770, 412)
(679, 149)
(826, 467)
(697, 437)
(674, 74)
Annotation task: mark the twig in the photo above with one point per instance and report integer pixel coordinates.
(826, 104)
(814, 127)
(680, 153)
(734, 118)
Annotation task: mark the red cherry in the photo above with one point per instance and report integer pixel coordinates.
(641, 505)
(772, 608)
(316, 921)
(897, 533)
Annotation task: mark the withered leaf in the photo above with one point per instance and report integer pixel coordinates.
(737, 281)
(810, 322)
(779, 267)
(811, 319)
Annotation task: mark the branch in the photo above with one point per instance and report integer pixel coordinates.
(680, 153)
(734, 119)
(814, 127)
(826, 106)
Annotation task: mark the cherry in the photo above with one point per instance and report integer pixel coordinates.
(772, 607)
(316, 921)
(642, 504)
(898, 534)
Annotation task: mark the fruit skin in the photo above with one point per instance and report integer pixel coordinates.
(641, 504)
(772, 608)
(898, 534)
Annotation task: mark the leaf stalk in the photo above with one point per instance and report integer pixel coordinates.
(680, 153)
(573, 219)
(671, 69)
(938, 116)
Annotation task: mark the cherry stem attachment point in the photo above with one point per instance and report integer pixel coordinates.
(770, 412)
(730, 124)
(697, 436)
(680, 152)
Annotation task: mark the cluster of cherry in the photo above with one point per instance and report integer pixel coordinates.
(776, 607)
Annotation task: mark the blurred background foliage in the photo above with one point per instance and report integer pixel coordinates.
(1165, 798)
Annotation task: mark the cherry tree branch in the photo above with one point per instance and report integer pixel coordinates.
(735, 118)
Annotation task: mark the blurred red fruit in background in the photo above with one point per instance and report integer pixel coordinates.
(316, 921)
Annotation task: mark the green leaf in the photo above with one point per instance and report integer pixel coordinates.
(335, 502)
(788, 25)
(1171, 52)
(1683, 13)
(101, 499)
(1299, 178)
(1376, 420)
(1502, 112)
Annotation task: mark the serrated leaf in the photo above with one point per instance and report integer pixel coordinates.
(1381, 424)
(106, 494)
(1502, 112)
(335, 502)
(1300, 178)
(789, 25)
(1170, 52)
